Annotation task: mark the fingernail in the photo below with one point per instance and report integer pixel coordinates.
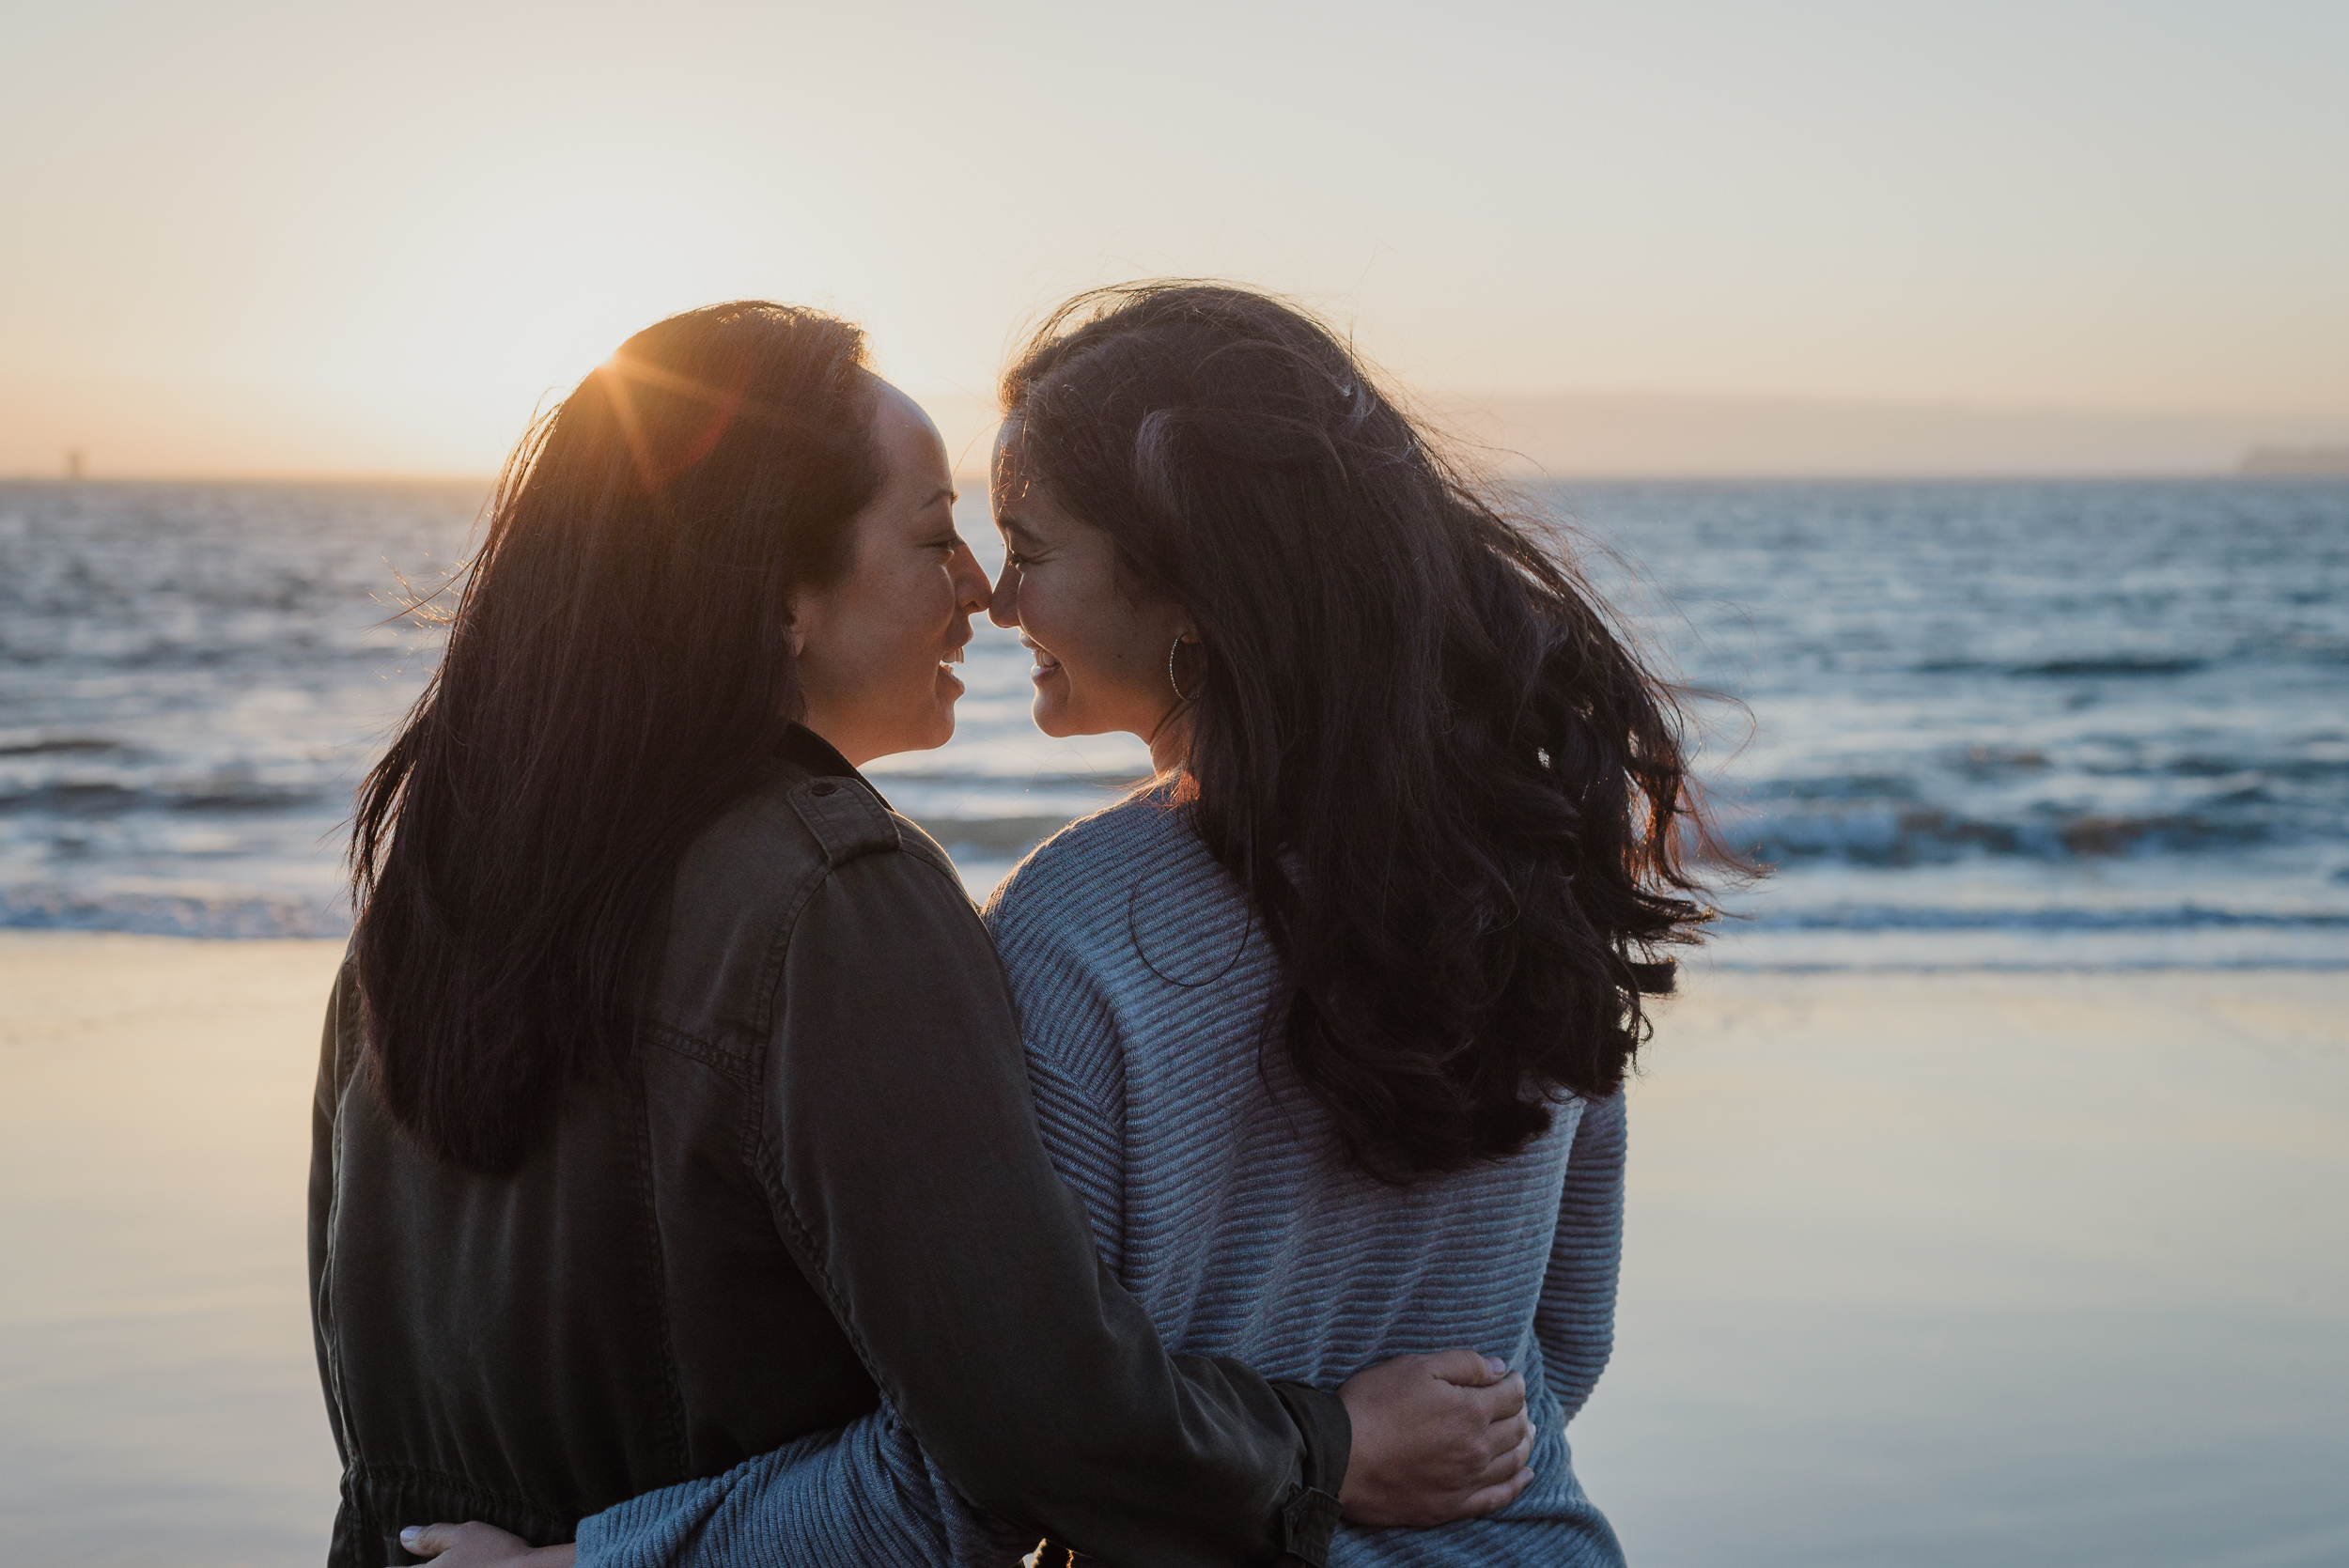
(408, 1536)
(1495, 1365)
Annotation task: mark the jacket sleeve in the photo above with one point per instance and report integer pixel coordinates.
(326, 1097)
(900, 1151)
(1575, 1318)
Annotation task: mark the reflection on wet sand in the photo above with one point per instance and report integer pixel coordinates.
(161, 1400)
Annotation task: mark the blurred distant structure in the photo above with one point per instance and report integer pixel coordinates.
(2296, 460)
(73, 462)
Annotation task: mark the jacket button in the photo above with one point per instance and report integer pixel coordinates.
(824, 787)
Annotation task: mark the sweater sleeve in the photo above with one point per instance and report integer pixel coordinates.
(863, 1493)
(1088, 1149)
(1069, 1029)
(1576, 1319)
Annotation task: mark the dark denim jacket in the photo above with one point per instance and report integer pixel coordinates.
(818, 1178)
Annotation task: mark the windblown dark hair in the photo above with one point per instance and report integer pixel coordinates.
(1457, 798)
(618, 670)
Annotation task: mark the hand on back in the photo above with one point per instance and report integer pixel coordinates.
(1437, 1438)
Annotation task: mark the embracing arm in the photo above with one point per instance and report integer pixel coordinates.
(901, 1154)
(902, 1157)
(1576, 1320)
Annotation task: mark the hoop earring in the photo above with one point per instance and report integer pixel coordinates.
(1180, 695)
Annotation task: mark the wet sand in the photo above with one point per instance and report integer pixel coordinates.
(2015, 1269)
(161, 1398)
(1922, 1270)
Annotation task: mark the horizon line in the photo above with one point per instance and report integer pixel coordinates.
(1506, 474)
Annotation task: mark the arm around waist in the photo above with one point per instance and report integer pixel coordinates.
(901, 1153)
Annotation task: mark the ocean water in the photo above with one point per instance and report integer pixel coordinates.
(1966, 723)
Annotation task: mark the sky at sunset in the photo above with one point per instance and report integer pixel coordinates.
(263, 239)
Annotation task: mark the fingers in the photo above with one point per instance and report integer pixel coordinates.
(1507, 1437)
(1493, 1498)
(1509, 1474)
(1470, 1369)
(1519, 1455)
(1437, 1436)
(1503, 1399)
(472, 1544)
(428, 1540)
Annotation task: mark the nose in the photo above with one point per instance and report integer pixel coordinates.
(970, 591)
(1006, 610)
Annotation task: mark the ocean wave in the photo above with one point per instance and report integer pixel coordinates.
(250, 916)
(2124, 664)
(2270, 651)
(89, 797)
(269, 655)
(2075, 667)
(1863, 917)
(991, 836)
(2022, 952)
(72, 745)
(1897, 836)
(238, 916)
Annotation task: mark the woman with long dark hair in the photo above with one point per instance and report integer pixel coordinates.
(671, 1106)
(1329, 1025)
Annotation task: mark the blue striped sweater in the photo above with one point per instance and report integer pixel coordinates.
(1219, 1196)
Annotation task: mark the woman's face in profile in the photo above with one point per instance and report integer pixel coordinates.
(875, 646)
(1101, 654)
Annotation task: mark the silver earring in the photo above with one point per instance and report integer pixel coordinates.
(1180, 695)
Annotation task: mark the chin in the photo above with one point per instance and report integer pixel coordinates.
(1051, 719)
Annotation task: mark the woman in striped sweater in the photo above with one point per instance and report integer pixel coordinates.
(1329, 1024)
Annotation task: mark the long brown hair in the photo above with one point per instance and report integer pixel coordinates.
(1454, 795)
(619, 667)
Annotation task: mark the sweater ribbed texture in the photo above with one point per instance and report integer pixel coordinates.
(1219, 1196)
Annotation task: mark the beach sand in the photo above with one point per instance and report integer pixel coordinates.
(161, 1397)
(1985, 1268)
(1922, 1270)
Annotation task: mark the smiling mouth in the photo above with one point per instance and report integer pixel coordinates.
(1045, 663)
(954, 656)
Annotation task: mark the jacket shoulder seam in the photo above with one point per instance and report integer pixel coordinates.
(679, 1042)
(656, 1246)
(845, 817)
(771, 966)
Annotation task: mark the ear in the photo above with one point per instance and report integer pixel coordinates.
(804, 609)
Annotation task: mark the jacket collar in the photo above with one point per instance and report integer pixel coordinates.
(803, 748)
